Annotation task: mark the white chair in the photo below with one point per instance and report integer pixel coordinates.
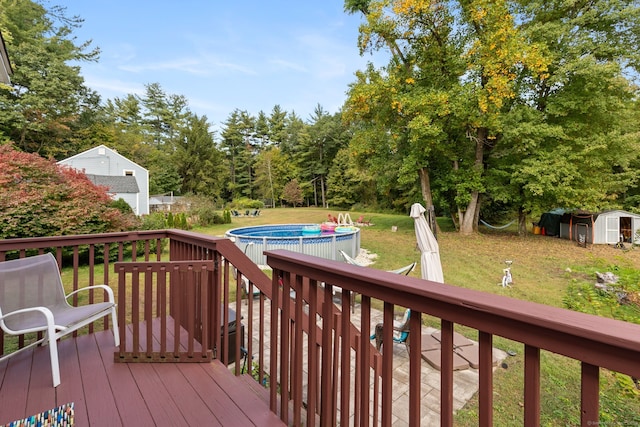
(32, 299)
(349, 260)
(402, 270)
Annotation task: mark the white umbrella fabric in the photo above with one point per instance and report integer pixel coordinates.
(430, 257)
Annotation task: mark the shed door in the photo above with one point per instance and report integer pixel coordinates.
(613, 230)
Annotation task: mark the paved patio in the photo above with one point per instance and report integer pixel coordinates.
(465, 379)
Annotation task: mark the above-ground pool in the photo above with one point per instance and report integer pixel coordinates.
(303, 238)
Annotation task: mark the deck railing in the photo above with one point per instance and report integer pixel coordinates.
(594, 341)
(316, 360)
(151, 295)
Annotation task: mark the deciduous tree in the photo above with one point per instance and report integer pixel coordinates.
(40, 198)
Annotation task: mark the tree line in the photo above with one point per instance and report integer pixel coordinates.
(485, 109)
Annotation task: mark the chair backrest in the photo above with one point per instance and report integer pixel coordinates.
(30, 282)
(404, 323)
(349, 260)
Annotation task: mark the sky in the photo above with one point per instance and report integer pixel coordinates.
(223, 55)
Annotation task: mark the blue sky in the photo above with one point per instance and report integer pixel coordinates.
(223, 55)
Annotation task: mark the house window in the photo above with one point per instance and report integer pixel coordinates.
(129, 173)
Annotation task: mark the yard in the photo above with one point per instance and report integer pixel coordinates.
(544, 270)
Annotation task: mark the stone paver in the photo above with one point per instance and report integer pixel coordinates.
(465, 381)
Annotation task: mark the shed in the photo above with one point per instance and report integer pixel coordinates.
(124, 178)
(607, 227)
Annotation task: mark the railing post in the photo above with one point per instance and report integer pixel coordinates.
(589, 396)
(531, 386)
(485, 382)
(446, 374)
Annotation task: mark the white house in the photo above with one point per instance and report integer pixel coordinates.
(124, 178)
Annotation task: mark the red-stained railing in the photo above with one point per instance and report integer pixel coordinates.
(315, 358)
(157, 293)
(594, 341)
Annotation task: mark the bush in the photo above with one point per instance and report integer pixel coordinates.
(154, 221)
(41, 198)
(122, 206)
(246, 203)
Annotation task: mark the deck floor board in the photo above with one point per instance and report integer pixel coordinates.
(106, 393)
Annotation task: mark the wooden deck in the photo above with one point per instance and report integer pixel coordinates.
(126, 394)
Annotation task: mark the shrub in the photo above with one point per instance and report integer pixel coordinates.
(122, 206)
(154, 221)
(41, 198)
(246, 203)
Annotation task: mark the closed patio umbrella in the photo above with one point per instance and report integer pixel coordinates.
(430, 251)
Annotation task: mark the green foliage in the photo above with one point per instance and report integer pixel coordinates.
(618, 301)
(292, 194)
(199, 162)
(122, 206)
(154, 221)
(245, 203)
(47, 96)
(40, 198)
(529, 105)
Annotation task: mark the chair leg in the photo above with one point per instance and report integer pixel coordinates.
(116, 329)
(53, 355)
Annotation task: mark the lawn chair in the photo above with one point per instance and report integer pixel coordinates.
(248, 288)
(32, 299)
(349, 260)
(400, 331)
(402, 270)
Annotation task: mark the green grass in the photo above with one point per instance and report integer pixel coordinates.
(544, 271)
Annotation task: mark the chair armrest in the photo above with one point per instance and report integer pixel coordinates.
(87, 288)
(44, 310)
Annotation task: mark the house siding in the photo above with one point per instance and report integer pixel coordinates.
(102, 160)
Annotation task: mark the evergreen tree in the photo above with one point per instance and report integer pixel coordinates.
(199, 162)
(47, 94)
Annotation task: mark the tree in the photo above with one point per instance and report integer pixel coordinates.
(292, 193)
(344, 186)
(577, 136)
(462, 75)
(199, 163)
(316, 153)
(41, 198)
(47, 94)
(277, 125)
(237, 144)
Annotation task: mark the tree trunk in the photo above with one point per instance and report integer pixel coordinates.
(522, 222)
(468, 222)
(324, 203)
(469, 219)
(425, 185)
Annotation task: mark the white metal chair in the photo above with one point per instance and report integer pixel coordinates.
(349, 260)
(402, 270)
(32, 299)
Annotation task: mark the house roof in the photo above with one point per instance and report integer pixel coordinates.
(5, 65)
(112, 152)
(116, 184)
(163, 199)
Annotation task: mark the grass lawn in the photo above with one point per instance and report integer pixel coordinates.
(543, 269)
